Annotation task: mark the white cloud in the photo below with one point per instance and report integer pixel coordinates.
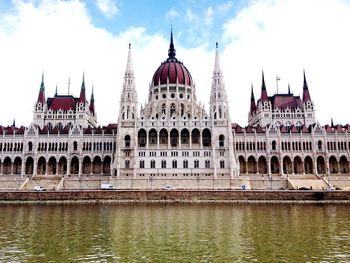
(171, 14)
(225, 7)
(283, 37)
(208, 16)
(107, 7)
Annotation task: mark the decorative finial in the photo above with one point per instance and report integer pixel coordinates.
(68, 85)
(171, 51)
(216, 44)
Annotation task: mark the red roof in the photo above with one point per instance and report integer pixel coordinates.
(174, 70)
(283, 101)
(61, 102)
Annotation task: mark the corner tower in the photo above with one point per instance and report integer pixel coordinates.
(127, 120)
(221, 122)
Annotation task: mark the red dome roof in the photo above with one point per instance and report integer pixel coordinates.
(172, 69)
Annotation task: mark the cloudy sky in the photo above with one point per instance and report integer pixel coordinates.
(65, 38)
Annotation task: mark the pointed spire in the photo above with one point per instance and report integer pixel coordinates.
(82, 97)
(41, 96)
(217, 67)
(263, 88)
(332, 124)
(129, 65)
(14, 123)
(171, 51)
(252, 101)
(68, 85)
(42, 86)
(56, 90)
(306, 93)
(92, 102)
(289, 89)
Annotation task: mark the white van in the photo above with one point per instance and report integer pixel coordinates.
(106, 186)
(39, 188)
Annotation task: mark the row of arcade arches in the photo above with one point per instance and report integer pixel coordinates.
(296, 165)
(172, 137)
(54, 166)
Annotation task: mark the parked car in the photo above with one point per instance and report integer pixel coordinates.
(39, 188)
(168, 188)
(106, 186)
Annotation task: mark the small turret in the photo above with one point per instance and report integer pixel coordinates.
(252, 102)
(92, 103)
(171, 51)
(306, 93)
(82, 98)
(41, 96)
(263, 89)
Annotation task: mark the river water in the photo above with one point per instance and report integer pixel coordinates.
(175, 233)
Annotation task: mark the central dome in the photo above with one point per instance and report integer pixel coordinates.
(172, 71)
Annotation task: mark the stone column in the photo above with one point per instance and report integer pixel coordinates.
(315, 167)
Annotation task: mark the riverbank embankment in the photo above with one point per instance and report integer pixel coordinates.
(177, 195)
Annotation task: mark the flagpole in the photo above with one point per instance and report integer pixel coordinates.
(277, 79)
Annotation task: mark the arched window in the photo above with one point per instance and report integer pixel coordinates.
(75, 146)
(221, 140)
(196, 164)
(273, 145)
(182, 110)
(163, 108)
(163, 164)
(174, 164)
(222, 164)
(153, 136)
(185, 164)
(206, 138)
(319, 145)
(174, 137)
(207, 163)
(30, 146)
(163, 137)
(127, 140)
(172, 109)
(153, 164)
(142, 164)
(142, 138)
(185, 136)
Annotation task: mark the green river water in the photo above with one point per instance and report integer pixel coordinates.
(175, 233)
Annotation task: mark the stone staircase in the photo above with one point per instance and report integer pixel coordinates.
(309, 181)
(49, 182)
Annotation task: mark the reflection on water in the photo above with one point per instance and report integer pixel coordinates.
(174, 233)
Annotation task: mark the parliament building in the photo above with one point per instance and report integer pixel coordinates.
(173, 140)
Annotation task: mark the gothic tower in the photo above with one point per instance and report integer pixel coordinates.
(127, 136)
(221, 122)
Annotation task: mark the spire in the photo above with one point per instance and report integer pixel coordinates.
(56, 90)
(217, 67)
(289, 89)
(129, 65)
(14, 123)
(171, 51)
(332, 123)
(41, 96)
(263, 89)
(82, 97)
(252, 101)
(92, 102)
(42, 86)
(306, 93)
